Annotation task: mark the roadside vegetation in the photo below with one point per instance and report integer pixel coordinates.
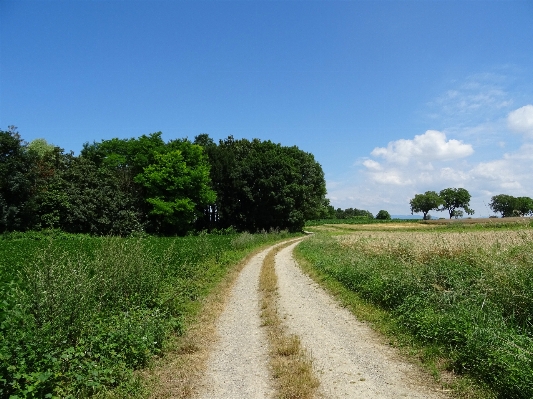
(291, 365)
(460, 296)
(78, 314)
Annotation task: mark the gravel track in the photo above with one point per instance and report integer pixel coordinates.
(350, 359)
(238, 368)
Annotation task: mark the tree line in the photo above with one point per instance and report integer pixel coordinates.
(120, 186)
(456, 201)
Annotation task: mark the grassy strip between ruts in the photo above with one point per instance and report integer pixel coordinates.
(291, 365)
(461, 311)
(79, 314)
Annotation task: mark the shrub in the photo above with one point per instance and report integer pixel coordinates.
(383, 215)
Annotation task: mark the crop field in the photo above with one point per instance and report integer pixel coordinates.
(79, 314)
(465, 293)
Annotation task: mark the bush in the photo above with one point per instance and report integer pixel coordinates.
(383, 215)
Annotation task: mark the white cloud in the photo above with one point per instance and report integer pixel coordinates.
(429, 146)
(372, 165)
(391, 176)
(521, 120)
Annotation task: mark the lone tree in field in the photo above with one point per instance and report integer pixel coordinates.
(455, 199)
(426, 202)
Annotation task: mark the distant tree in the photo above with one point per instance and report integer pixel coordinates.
(455, 199)
(352, 213)
(524, 206)
(509, 206)
(383, 215)
(425, 203)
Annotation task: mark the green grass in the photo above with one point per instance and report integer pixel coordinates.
(79, 314)
(472, 304)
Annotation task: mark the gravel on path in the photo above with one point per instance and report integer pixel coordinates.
(238, 366)
(350, 359)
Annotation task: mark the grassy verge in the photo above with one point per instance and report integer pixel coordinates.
(291, 365)
(78, 314)
(463, 310)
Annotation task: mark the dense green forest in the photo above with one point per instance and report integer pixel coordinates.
(144, 184)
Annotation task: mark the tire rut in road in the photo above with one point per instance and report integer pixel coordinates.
(238, 367)
(350, 359)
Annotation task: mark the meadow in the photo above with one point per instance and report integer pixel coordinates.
(462, 293)
(78, 314)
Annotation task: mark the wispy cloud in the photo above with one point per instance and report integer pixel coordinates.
(476, 99)
(521, 120)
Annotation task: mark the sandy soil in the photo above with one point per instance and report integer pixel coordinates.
(350, 359)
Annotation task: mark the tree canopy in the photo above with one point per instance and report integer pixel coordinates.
(383, 215)
(425, 203)
(262, 185)
(120, 186)
(455, 199)
(509, 206)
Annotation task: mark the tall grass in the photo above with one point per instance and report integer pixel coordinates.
(79, 314)
(469, 293)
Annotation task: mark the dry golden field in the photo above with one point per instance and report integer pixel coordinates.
(425, 243)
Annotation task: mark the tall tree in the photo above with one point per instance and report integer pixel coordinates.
(178, 186)
(425, 203)
(509, 206)
(454, 199)
(262, 185)
(17, 181)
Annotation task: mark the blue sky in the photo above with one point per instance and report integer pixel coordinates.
(392, 97)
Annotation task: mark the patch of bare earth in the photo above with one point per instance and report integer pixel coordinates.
(351, 360)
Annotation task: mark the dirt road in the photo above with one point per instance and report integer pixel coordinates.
(350, 360)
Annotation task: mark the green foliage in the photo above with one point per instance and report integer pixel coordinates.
(177, 186)
(350, 213)
(262, 185)
(425, 203)
(356, 220)
(475, 304)
(41, 147)
(17, 181)
(125, 186)
(455, 199)
(78, 314)
(510, 206)
(383, 215)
